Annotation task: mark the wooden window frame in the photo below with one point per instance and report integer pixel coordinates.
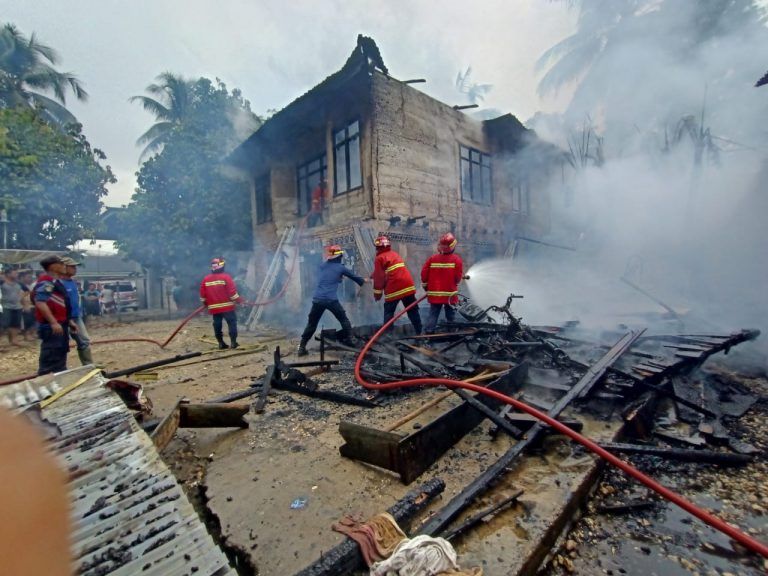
(345, 145)
(263, 198)
(305, 177)
(480, 175)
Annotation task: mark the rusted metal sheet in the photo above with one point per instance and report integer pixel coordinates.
(129, 514)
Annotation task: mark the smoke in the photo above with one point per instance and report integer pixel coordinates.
(672, 198)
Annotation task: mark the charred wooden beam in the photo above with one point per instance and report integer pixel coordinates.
(681, 454)
(329, 395)
(472, 521)
(309, 363)
(440, 521)
(346, 557)
(163, 433)
(624, 507)
(148, 365)
(186, 415)
(213, 415)
(409, 456)
(501, 422)
(233, 396)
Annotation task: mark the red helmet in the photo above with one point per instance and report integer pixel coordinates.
(333, 251)
(447, 243)
(382, 243)
(217, 264)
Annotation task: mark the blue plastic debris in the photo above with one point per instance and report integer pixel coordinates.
(299, 503)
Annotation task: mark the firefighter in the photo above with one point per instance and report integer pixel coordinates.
(325, 297)
(392, 279)
(318, 198)
(219, 293)
(440, 278)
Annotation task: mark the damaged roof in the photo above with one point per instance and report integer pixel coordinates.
(363, 60)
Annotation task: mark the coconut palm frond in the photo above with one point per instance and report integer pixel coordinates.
(570, 66)
(54, 112)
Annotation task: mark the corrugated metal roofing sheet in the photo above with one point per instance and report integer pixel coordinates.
(129, 513)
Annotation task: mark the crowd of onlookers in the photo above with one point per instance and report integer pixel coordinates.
(18, 315)
(17, 310)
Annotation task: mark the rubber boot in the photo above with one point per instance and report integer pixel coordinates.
(234, 344)
(302, 349)
(85, 356)
(223, 345)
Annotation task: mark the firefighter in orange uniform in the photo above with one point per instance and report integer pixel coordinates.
(392, 279)
(440, 277)
(219, 294)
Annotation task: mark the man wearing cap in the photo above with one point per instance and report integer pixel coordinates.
(218, 293)
(53, 316)
(326, 297)
(81, 338)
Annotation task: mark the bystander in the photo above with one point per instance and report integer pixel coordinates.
(80, 336)
(12, 291)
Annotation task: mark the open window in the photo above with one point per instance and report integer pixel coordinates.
(308, 177)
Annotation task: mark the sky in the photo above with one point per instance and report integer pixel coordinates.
(275, 51)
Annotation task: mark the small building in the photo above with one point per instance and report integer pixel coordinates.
(396, 161)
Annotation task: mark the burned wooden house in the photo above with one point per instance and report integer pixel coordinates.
(396, 161)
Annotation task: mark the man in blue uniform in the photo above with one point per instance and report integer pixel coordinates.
(325, 297)
(53, 316)
(81, 337)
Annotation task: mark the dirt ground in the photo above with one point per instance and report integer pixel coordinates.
(250, 478)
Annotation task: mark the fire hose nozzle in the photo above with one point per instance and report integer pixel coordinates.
(465, 277)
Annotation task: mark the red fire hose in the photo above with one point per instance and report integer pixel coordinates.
(710, 519)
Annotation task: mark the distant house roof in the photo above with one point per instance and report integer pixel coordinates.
(364, 58)
(11, 256)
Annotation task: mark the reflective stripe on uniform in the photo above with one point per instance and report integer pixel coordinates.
(215, 283)
(435, 293)
(378, 291)
(222, 305)
(57, 299)
(235, 296)
(402, 292)
(442, 265)
(395, 267)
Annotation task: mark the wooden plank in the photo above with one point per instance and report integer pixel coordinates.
(213, 415)
(439, 522)
(163, 434)
(376, 447)
(155, 364)
(421, 449)
(681, 454)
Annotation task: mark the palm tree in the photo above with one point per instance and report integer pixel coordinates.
(26, 68)
(170, 105)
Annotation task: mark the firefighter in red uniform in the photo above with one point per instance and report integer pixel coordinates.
(219, 293)
(392, 279)
(315, 216)
(440, 277)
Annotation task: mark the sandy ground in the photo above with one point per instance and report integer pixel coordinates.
(251, 477)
